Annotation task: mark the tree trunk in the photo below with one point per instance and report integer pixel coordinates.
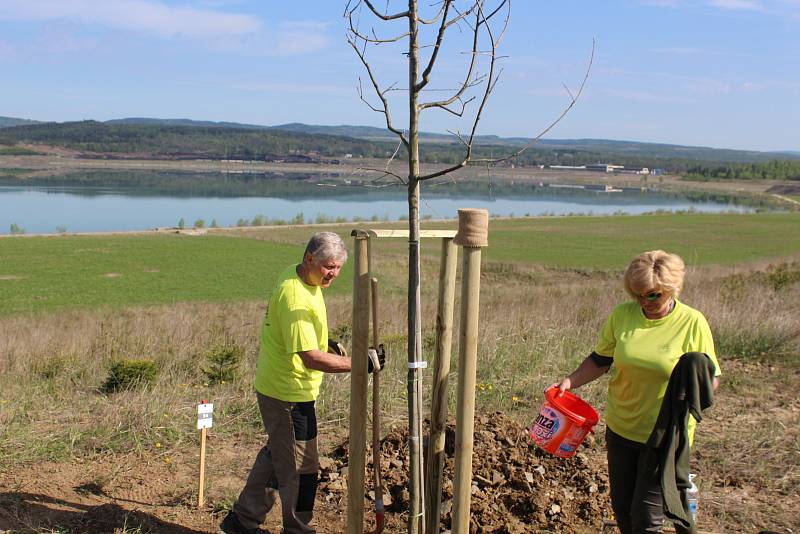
(416, 520)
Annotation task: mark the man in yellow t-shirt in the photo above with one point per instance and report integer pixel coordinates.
(292, 360)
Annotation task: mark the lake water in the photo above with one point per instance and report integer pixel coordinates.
(135, 201)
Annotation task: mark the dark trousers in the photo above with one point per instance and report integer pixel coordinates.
(287, 466)
(635, 486)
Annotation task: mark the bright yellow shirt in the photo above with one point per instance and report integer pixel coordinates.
(645, 351)
(296, 321)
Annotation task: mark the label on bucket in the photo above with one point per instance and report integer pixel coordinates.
(571, 441)
(547, 425)
(562, 423)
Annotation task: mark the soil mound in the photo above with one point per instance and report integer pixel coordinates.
(516, 487)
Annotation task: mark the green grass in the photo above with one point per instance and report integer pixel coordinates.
(13, 173)
(53, 273)
(610, 242)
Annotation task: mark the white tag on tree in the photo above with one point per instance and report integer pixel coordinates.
(205, 414)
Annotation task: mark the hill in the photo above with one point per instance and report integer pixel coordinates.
(7, 122)
(189, 139)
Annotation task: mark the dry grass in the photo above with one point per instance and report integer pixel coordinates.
(536, 325)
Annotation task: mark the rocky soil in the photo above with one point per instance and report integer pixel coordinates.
(516, 487)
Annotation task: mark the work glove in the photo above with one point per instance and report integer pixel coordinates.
(379, 355)
(334, 347)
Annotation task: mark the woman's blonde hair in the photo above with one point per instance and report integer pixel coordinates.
(655, 269)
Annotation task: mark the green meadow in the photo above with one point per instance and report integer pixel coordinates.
(60, 272)
(54, 273)
(72, 308)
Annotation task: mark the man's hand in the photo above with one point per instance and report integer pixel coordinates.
(334, 347)
(380, 355)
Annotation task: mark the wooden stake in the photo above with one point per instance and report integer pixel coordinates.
(441, 376)
(376, 417)
(358, 389)
(465, 412)
(201, 491)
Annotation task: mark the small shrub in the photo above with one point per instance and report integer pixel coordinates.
(200, 223)
(298, 219)
(734, 287)
(50, 368)
(782, 275)
(756, 345)
(16, 229)
(129, 374)
(214, 223)
(341, 333)
(222, 363)
(182, 223)
(61, 229)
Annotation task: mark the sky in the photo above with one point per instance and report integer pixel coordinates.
(717, 73)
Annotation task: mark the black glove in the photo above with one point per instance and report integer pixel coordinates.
(334, 347)
(381, 359)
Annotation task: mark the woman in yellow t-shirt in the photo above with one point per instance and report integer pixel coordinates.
(640, 343)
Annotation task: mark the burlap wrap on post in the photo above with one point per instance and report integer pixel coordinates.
(473, 228)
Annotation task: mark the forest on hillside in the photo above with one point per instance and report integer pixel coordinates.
(94, 139)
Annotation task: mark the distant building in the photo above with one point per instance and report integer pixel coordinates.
(604, 167)
(568, 167)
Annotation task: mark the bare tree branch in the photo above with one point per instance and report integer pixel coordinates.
(428, 22)
(439, 38)
(381, 94)
(404, 14)
(384, 174)
(491, 81)
(426, 73)
(573, 100)
(375, 38)
(463, 107)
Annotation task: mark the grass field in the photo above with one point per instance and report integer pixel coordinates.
(548, 285)
(56, 273)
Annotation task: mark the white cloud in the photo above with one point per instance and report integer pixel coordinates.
(752, 87)
(301, 38)
(647, 96)
(749, 5)
(288, 87)
(133, 15)
(694, 52)
(662, 3)
(288, 39)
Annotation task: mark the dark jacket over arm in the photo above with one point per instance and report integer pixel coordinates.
(690, 391)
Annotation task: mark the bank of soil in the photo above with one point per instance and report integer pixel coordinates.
(747, 464)
(516, 488)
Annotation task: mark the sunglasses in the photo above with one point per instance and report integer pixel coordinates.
(652, 296)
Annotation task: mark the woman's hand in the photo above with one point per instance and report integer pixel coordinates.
(563, 386)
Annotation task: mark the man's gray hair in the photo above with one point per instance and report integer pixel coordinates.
(324, 246)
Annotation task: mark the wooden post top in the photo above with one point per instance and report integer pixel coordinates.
(368, 233)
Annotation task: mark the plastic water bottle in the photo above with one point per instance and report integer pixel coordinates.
(691, 497)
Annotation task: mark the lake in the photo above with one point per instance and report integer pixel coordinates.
(139, 200)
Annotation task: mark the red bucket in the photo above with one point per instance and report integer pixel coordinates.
(563, 422)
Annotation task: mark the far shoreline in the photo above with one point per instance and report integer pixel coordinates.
(64, 163)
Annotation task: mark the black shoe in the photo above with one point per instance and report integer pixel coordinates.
(231, 525)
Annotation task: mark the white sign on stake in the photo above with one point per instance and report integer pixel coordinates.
(205, 414)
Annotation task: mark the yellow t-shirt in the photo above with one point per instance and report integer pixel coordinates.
(296, 321)
(645, 351)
